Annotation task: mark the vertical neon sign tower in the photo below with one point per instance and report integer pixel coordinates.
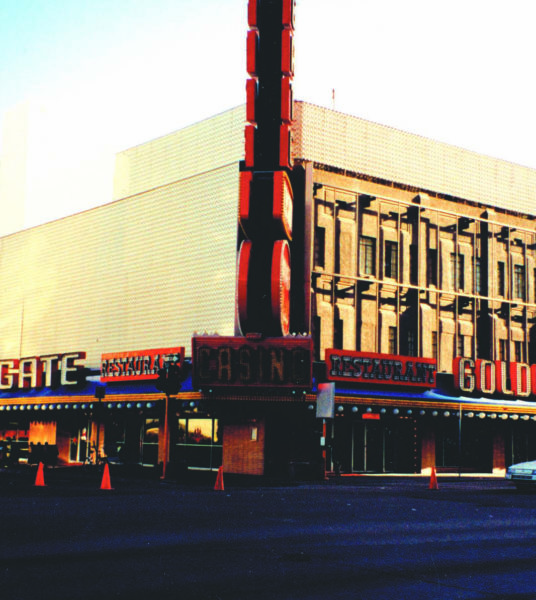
(266, 190)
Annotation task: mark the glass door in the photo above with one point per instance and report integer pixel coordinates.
(149, 442)
(199, 444)
(368, 447)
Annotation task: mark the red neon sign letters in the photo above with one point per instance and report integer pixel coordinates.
(386, 369)
(494, 377)
(138, 365)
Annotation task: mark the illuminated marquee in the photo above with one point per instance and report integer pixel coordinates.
(386, 369)
(139, 365)
(50, 370)
(242, 362)
(494, 377)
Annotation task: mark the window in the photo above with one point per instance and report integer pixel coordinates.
(478, 280)
(198, 441)
(519, 282)
(457, 274)
(412, 343)
(338, 330)
(367, 255)
(501, 279)
(460, 351)
(518, 350)
(392, 340)
(391, 260)
(431, 266)
(316, 336)
(502, 350)
(320, 247)
(434, 344)
(413, 264)
(461, 272)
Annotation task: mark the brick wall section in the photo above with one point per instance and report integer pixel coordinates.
(241, 453)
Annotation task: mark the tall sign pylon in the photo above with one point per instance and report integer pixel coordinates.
(272, 291)
(266, 191)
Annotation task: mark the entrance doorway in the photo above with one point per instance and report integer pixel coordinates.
(149, 442)
(375, 445)
(368, 452)
(78, 445)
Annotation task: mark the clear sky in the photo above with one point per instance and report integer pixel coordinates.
(100, 76)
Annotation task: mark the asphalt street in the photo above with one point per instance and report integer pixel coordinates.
(363, 538)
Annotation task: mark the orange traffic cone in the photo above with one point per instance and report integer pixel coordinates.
(433, 480)
(219, 480)
(106, 484)
(40, 477)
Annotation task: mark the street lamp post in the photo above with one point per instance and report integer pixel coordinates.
(100, 393)
(168, 382)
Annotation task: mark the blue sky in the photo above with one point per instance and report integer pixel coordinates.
(101, 76)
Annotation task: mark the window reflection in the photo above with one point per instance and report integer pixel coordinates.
(199, 443)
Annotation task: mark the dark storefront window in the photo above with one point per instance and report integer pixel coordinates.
(472, 452)
(520, 443)
(115, 440)
(375, 446)
(13, 444)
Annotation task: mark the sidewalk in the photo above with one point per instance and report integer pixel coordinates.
(144, 479)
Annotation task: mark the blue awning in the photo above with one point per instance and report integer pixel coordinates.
(88, 389)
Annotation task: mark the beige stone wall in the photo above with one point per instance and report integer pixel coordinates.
(429, 282)
(243, 448)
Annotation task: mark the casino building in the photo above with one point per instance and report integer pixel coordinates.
(397, 275)
(419, 254)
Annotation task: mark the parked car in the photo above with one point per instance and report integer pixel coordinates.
(523, 475)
